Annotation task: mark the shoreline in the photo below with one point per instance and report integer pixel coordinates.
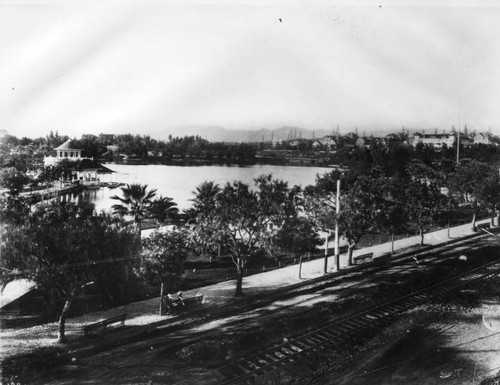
(301, 162)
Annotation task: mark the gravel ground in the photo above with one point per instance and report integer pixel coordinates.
(449, 342)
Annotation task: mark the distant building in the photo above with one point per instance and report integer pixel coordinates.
(88, 171)
(360, 143)
(328, 142)
(437, 141)
(276, 141)
(481, 138)
(84, 169)
(113, 148)
(64, 151)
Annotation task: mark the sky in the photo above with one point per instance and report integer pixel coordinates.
(160, 67)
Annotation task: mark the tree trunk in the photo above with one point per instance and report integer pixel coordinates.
(239, 279)
(392, 243)
(474, 222)
(421, 236)
(62, 319)
(162, 297)
(337, 260)
(350, 250)
(492, 223)
(300, 267)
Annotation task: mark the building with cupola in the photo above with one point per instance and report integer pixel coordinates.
(84, 169)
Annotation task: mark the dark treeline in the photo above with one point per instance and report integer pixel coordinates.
(97, 146)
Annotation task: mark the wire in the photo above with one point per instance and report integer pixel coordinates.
(77, 264)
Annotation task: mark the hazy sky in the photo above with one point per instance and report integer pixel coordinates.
(150, 67)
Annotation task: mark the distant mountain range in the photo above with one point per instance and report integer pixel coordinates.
(222, 134)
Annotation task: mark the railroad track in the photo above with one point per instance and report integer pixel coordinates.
(301, 349)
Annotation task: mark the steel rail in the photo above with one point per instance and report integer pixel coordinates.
(300, 348)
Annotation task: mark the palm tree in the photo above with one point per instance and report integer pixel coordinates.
(206, 195)
(162, 208)
(205, 201)
(135, 201)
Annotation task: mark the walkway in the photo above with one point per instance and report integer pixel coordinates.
(144, 312)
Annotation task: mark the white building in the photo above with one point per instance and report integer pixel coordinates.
(481, 138)
(85, 170)
(434, 140)
(64, 151)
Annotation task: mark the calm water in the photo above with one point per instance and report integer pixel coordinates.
(178, 182)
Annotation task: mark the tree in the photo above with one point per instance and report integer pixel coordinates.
(361, 205)
(474, 185)
(13, 209)
(13, 180)
(392, 214)
(424, 204)
(298, 237)
(489, 191)
(64, 247)
(61, 170)
(163, 255)
(163, 208)
(206, 195)
(135, 201)
(246, 221)
(321, 202)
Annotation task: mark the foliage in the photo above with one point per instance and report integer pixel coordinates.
(297, 237)
(246, 221)
(424, 204)
(163, 254)
(13, 209)
(63, 247)
(60, 170)
(163, 208)
(136, 201)
(13, 179)
(361, 206)
(392, 214)
(206, 195)
(320, 200)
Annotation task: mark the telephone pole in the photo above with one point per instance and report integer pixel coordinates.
(337, 259)
(337, 211)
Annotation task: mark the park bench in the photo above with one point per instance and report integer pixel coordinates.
(105, 323)
(186, 303)
(363, 258)
(485, 226)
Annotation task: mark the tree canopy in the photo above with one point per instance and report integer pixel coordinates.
(246, 221)
(136, 201)
(63, 247)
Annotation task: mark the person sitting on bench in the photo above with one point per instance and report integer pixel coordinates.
(180, 298)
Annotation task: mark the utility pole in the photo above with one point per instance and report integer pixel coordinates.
(337, 211)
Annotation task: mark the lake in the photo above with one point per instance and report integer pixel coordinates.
(178, 182)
